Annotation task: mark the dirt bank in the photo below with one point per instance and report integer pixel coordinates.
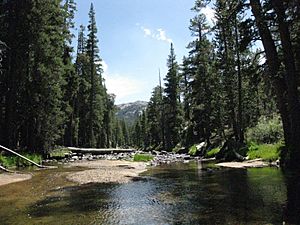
(106, 171)
(7, 178)
(257, 163)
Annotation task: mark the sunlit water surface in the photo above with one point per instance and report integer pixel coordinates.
(190, 193)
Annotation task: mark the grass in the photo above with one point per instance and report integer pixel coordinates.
(212, 153)
(267, 152)
(14, 161)
(142, 157)
(59, 153)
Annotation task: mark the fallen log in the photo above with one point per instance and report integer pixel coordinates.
(23, 157)
(6, 170)
(100, 150)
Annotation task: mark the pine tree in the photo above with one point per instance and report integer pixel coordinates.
(172, 105)
(70, 89)
(82, 103)
(44, 87)
(91, 51)
(202, 84)
(97, 90)
(154, 119)
(227, 62)
(13, 24)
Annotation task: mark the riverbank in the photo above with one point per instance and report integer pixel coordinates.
(8, 178)
(106, 171)
(256, 163)
(122, 171)
(99, 171)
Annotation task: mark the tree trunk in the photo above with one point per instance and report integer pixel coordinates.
(240, 100)
(273, 64)
(291, 81)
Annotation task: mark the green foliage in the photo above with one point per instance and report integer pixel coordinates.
(267, 130)
(7, 161)
(142, 157)
(177, 148)
(212, 153)
(60, 152)
(15, 161)
(193, 150)
(23, 163)
(267, 152)
(172, 108)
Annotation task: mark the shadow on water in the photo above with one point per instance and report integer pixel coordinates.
(172, 194)
(292, 208)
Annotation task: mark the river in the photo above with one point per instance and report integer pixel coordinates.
(191, 193)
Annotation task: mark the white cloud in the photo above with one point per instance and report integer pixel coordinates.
(210, 14)
(147, 32)
(122, 86)
(161, 36)
(157, 34)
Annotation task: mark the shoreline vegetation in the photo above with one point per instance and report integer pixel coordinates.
(265, 152)
(114, 170)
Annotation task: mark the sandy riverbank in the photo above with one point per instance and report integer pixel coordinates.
(113, 171)
(256, 163)
(8, 178)
(106, 171)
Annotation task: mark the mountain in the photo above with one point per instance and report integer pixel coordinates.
(130, 111)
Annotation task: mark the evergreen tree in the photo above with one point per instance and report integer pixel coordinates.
(91, 52)
(70, 89)
(44, 83)
(172, 105)
(82, 102)
(14, 23)
(97, 92)
(154, 119)
(202, 84)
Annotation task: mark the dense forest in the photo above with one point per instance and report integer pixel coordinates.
(223, 88)
(227, 88)
(47, 97)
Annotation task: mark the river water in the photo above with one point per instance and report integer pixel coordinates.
(178, 193)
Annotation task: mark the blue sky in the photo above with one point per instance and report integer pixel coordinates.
(134, 41)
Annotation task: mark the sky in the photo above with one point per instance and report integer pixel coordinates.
(134, 41)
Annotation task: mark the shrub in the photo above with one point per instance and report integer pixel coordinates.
(12, 161)
(23, 163)
(142, 158)
(59, 153)
(193, 150)
(212, 153)
(267, 130)
(267, 152)
(7, 161)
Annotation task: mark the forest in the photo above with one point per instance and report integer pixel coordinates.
(238, 84)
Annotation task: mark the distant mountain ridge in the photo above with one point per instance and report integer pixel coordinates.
(130, 111)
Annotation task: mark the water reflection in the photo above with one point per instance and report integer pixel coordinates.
(172, 194)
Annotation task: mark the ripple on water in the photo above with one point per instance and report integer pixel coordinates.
(172, 194)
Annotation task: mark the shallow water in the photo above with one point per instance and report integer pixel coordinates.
(170, 194)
